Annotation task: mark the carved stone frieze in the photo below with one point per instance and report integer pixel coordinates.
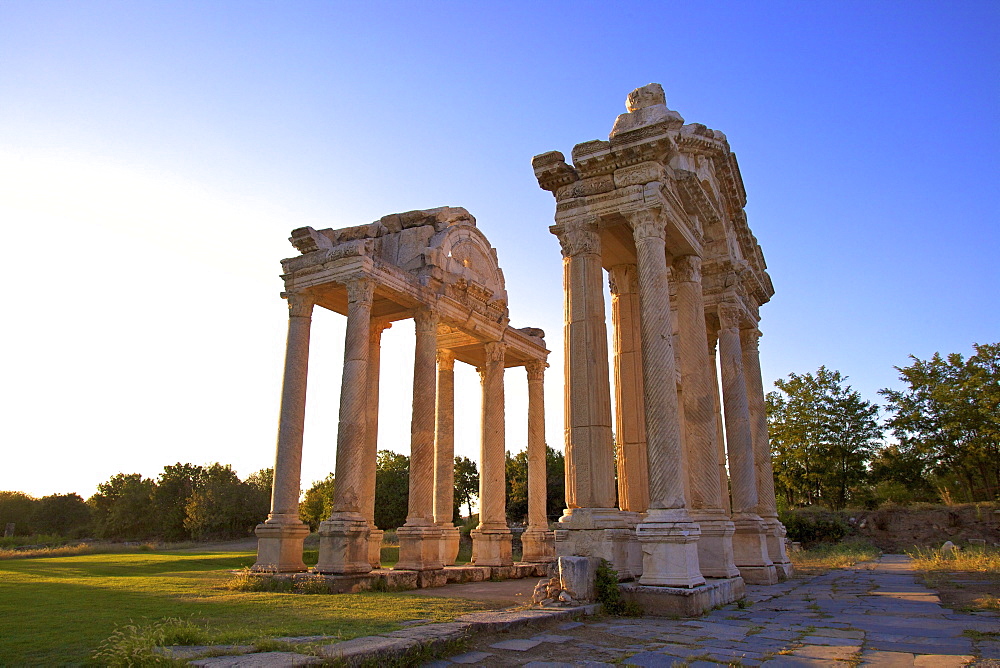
(594, 185)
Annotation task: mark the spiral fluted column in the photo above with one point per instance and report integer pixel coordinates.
(280, 537)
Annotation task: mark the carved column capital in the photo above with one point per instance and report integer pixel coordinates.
(300, 304)
(749, 338)
(376, 328)
(360, 290)
(687, 269)
(426, 321)
(730, 315)
(623, 279)
(647, 224)
(536, 369)
(494, 351)
(446, 359)
(580, 238)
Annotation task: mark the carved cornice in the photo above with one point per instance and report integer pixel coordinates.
(687, 269)
(647, 224)
(446, 359)
(360, 291)
(552, 171)
(494, 351)
(536, 369)
(300, 304)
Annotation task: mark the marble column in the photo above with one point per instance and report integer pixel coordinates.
(444, 457)
(491, 540)
(766, 503)
(713, 339)
(667, 534)
(537, 541)
(280, 537)
(371, 442)
(749, 541)
(715, 546)
(343, 538)
(592, 525)
(630, 420)
(420, 536)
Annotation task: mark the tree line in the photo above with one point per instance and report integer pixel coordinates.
(938, 438)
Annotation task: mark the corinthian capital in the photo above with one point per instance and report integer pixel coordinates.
(300, 304)
(425, 320)
(687, 269)
(446, 359)
(730, 315)
(360, 291)
(647, 224)
(749, 337)
(536, 369)
(623, 279)
(494, 351)
(580, 238)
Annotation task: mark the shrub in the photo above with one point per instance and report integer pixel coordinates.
(810, 527)
(609, 596)
(247, 580)
(135, 645)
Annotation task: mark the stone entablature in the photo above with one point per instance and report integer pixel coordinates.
(436, 267)
(659, 207)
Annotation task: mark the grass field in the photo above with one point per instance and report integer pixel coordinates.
(58, 610)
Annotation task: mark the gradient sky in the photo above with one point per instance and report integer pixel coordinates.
(155, 155)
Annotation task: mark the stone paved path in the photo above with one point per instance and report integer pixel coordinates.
(875, 614)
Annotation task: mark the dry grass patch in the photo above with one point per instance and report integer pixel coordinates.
(824, 557)
(967, 579)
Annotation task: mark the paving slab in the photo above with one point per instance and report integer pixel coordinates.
(259, 660)
(517, 644)
(470, 657)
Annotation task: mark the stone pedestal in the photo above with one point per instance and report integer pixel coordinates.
(538, 546)
(492, 547)
(419, 548)
(279, 547)
(775, 537)
(343, 545)
(450, 537)
(750, 550)
(375, 547)
(716, 557)
(597, 532)
(670, 549)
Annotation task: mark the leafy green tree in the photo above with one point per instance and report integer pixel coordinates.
(948, 418)
(517, 486)
(123, 508)
(392, 488)
(466, 483)
(555, 483)
(822, 436)
(173, 491)
(317, 504)
(62, 514)
(16, 508)
(222, 506)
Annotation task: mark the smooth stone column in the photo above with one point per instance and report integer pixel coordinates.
(371, 442)
(713, 339)
(491, 540)
(343, 538)
(591, 525)
(444, 457)
(280, 537)
(750, 539)
(537, 541)
(715, 547)
(420, 537)
(668, 536)
(630, 419)
(766, 503)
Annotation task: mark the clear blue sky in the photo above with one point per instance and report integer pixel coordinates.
(155, 155)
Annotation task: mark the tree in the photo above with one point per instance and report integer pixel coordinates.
(822, 436)
(62, 514)
(392, 489)
(948, 419)
(16, 508)
(555, 483)
(466, 482)
(222, 506)
(170, 498)
(317, 504)
(517, 486)
(123, 508)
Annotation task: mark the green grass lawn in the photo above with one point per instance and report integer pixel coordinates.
(59, 610)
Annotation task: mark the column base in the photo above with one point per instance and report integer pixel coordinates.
(343, 545)
(606, 533)
(450, 537)
(775, 531)
(492, 547)
(279, 547)
(375, 546)
(538, 546)
(669, 542)
(419, 548)
(715, 547)
(750, 550)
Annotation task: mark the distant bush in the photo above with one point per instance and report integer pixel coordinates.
(813, 526)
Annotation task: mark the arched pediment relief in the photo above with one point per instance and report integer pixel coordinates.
(469, 262)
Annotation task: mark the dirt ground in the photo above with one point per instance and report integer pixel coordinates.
(895, 530)
(964, 591)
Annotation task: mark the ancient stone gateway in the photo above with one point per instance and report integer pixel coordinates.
(660, 208)
(436, 267)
